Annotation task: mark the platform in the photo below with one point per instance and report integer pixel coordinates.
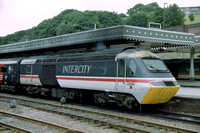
(189, 92)
(189, 89)
(188, 83)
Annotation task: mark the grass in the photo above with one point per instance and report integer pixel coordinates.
(196, 20)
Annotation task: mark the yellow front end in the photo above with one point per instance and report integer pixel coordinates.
(157, 95)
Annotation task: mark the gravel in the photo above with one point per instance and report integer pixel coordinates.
(74, 123)
(48, 117)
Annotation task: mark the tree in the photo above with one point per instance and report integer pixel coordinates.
(1, 40)
(148, 9)
(136, 9)
(191, 17)
(138, 19)
(107, 19)
(174, 16)
(61, 29)
(141, 15)
(158, 15)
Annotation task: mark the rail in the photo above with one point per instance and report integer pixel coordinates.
(10, 128)
(114, 121)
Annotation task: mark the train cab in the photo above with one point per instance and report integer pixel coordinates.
(145, 70)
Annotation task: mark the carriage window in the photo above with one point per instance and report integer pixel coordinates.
(3, 69)
(15, 69)
(28, 69)
(10, 69)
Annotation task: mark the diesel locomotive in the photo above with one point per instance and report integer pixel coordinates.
(128, 77)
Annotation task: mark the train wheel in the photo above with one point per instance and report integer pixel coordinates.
(130, 102)
(100, 99)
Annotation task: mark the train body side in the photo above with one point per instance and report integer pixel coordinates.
(92, 75)
(117, 75)
(127, 75)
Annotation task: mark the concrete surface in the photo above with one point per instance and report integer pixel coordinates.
(188, 92)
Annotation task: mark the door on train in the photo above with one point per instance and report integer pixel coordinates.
(49, 75)
(121, 75)
(29, 72)
(11, 74)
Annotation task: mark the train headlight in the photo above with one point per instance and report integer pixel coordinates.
(165, 83)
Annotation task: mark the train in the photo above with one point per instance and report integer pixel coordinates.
(128, 77)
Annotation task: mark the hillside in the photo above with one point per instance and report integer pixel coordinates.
(196, 20)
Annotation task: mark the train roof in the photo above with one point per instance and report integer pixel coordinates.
(32, 59)
(10, 61)
(107, 54)
(132, 53)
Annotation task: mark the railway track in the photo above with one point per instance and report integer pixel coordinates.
(7, 128)
(35, 121)
(176, 116)
(100, 118)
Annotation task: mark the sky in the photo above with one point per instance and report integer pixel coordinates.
(16, 15)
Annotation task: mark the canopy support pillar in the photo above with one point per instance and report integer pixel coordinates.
(192, 52)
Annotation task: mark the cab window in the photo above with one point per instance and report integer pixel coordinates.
(155, 65)
(131, 69)
(121, 69)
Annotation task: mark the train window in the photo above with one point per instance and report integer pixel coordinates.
(28, 69)
(132, 68)
(10, 69)
(3, 69)
(121, 71)
(155, 65)
(15, 69)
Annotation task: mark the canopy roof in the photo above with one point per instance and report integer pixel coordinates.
(137, 36)
(179, 48)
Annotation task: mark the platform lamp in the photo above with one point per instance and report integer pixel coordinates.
(164, 15)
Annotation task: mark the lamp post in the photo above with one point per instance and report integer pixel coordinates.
(164, 15)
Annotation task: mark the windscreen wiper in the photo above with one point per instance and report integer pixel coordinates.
(153, 67)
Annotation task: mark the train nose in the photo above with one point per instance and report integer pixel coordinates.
(159, 94)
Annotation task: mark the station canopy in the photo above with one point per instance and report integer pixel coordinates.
(155, 40)
(179, 48)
